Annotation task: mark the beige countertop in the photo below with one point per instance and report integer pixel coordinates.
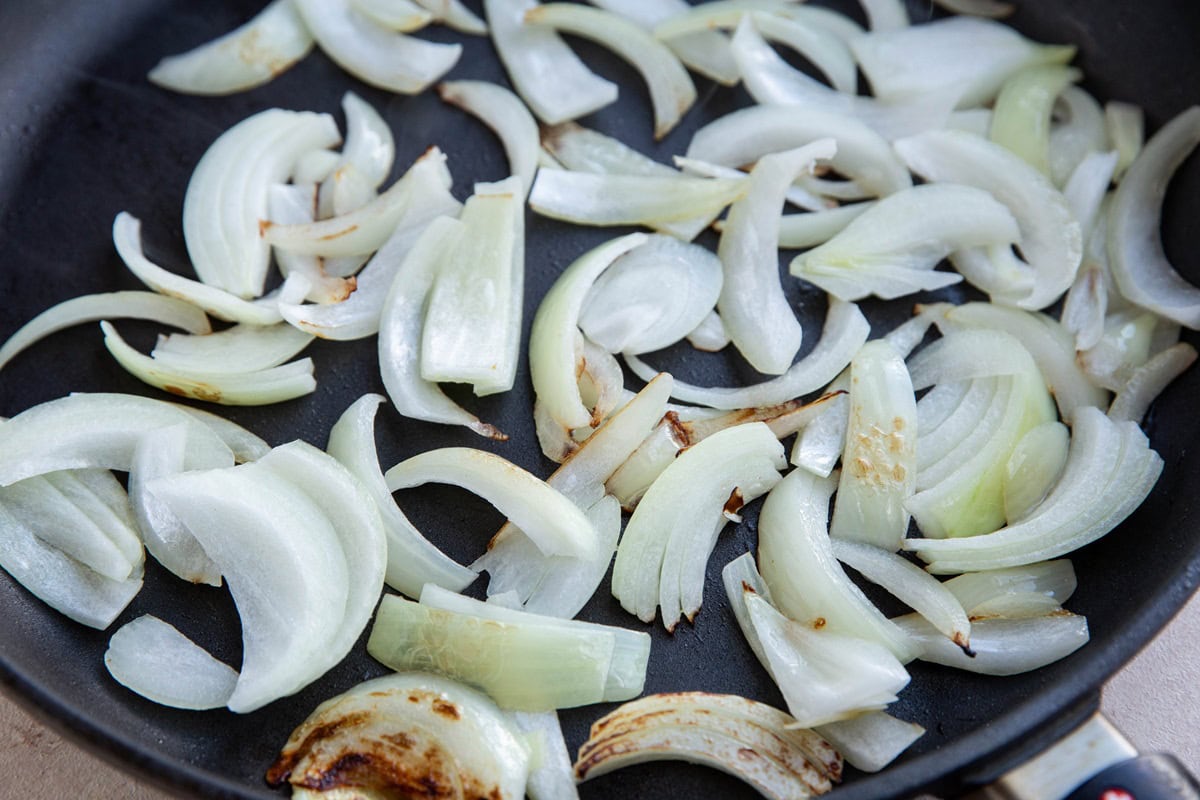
(1155, 701)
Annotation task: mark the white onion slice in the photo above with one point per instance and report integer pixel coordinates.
(403, 16)
(251, 55)
(370, 146)
(1147, 382)
(710, 335)
(412, 561)
(152, 658)
(1054, 581)
(844, 332)
(871, 741)
(548, 518)
(715, 14)
(506, 115)
(704, 52)
(752, 305)
(110, 305)
(245, 445)
(551, 776)
(296, 204)
(796, 194)
(373, 54)
(1135, 249)
(802, 231)
(1003, 646)
(455, 14)
(554, 83)
(1033, 468)
(1021, 113)
(240, 348)
(1081, 134)
(1125, 124)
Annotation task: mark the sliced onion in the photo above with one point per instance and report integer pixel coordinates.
(293, 204)
(710, 335)
(241, 348)
(796, 194)
(871, 741)
(1073, 139)
(370, 145)
(1135, 249)
(245, 445)
(396, 15)
(1087, 186)
(994, 9)
(1147, 382)
(1003, 646)
(1033, 468)
(705, 52)
(802, 231)
(551, 777)
(506, 115)
(981, 592)
(550, 78)
(1125, 124)
(1021, 114)
(152, 658)
(251, 55)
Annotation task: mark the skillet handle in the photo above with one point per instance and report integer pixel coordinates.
(1152, 777)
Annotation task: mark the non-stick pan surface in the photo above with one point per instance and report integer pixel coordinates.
(83, 136)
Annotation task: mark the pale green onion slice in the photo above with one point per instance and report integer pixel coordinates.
(973, 56)
(251, 55)
(1003, 646)
(412, 561)
(111, 305)
(802, 231)
(284, 565)
(1021, 114)
(672, 92)
(1080, 134)
(757, 316)
(295, 204)
(1051, 239)
(662, 556)
(844, 332)
(549, 519)
(249, 388)
(982, 592)
(403, 16)
(372, 53)
(1135, 248)
(743, 136)
(886, 252)
(1125, 124)
(1110, 470)
(527, 666)
(710, 335)
(472, 328)
(879, 464)
(452, 730)
(797, 562)
(551, 79)
(704, 52)
(227, 194)
(1147, 381)
(154, 659)
(1033, 468)
(871, 741)
(946, 443)
(503, 112)
(241, 348)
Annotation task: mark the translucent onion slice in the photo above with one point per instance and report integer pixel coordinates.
(662, 556)
(871, 741)
(506, 115)
(704, 52)
(250, 388)
(651, 297)
(1080, 134)
(284, 565)
(844, 332)
(155, 660)
(1148, 381)
(980, 591)
(1125, 124)
(551, 777)
(974, 56)
(251, 55)
(1033, 468)
(432, 730)
(1110, 469)
(743, 136)
(802, 231)
(296, 204)
(549, 519)
(412, 561)
(245, 445)
(110, 305)
(1051, 239)
(554, 83)
(757, 316)
(396, 15)
(526, 666)
(1003, 646)
(241, 348)
(797, 562)
(370, 145)
(227, 194)
(373, 54)
(1021, 114)
(1135, 249)
(886, 252)
(672, 92)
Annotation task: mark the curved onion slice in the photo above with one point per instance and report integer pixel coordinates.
(245, 445)
(412, 561)
(797, 562)
(1021, 114)
(370, 145)
(1135, 249)
(553, 522)
(506, 115)
(1125, 125)
(241, 348)
(757, 316)
(802, 231)
(845, 331)
(719, 731)
(1003, 646)
(403, 16)
(555, 84)
(227, 194)
(1033, 468)
(704, 52)
(672, 92)
(251, 55)
(663, 552)
(892, 248)
(982, 592)
(294, 204)
(110, 305)
(427, 730)
(551, 777)
(743, 136)
(710, 335)
(1147, 382)
(152, 658)
(1081, 134)
(1051, 239)
(373, 54)
(284, 565)
(454, 14)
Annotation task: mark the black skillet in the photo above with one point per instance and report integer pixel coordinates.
(83, 136)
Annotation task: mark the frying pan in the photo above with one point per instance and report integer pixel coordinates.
(84, 136)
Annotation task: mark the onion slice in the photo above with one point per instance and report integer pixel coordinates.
(506, 115)
(240, 348)
(1021, 114)
(871, 741)
(152, 658)
(704, 52)
(1003, 646)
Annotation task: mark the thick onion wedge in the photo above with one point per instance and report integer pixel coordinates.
(152, 658)
(549, 519)
(110, 305)
(506, 115)
(373, 54)
(251, 55)
(1135, 249)
(1003, 646)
